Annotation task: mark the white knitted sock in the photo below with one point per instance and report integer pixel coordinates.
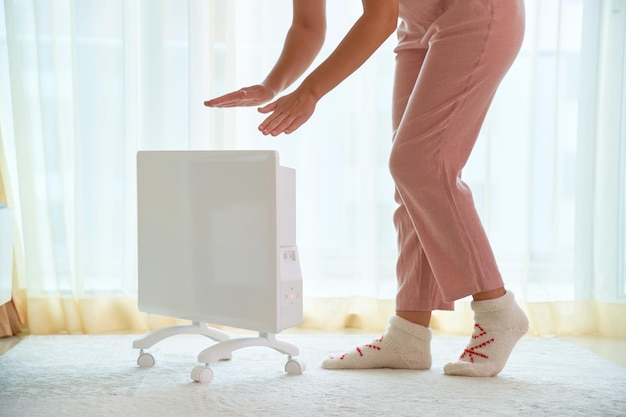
(405, 345)
(499, 324)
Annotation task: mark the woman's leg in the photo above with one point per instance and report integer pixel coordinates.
(471, 48)
(441, 97)
(406, 344)
(470, 51)
(418, 291)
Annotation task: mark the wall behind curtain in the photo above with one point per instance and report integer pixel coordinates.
(85, 84)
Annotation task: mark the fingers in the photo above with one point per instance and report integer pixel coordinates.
(236, 98)
(278, 123)
(267, 109)
(271, 124)
(277, 126)
(248, 96)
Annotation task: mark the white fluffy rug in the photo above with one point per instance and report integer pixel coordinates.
(90, 376)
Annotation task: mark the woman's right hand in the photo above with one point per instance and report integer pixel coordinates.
(248, 96)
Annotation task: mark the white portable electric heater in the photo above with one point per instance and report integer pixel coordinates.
(217, 244)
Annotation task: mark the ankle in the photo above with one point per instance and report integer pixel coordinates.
(489, 295)
(421, 318)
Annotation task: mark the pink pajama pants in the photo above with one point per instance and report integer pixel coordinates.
(450, 58)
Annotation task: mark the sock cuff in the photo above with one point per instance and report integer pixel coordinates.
(411, 328)
(497, 304)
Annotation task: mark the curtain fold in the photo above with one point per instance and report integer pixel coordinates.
(86, 84)
(10, 318)
(10, 323)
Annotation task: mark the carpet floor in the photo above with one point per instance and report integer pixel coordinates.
(97, 376)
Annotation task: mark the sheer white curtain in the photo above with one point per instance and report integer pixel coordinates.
(85, 84)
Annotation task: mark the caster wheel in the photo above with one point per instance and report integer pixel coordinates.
(295, 366)
(202, 374)
(145, 360)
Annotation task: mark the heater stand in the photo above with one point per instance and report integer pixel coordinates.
(218, 352)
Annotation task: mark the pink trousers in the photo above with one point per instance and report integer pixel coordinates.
(450, 58)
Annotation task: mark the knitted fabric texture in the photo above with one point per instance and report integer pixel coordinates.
(499, 324)
(405, 345)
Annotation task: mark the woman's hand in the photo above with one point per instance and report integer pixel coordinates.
(248, 96)
(287, 113)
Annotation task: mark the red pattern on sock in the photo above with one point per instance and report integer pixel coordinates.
(481, 331)
(473, 351)
(358, 349)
